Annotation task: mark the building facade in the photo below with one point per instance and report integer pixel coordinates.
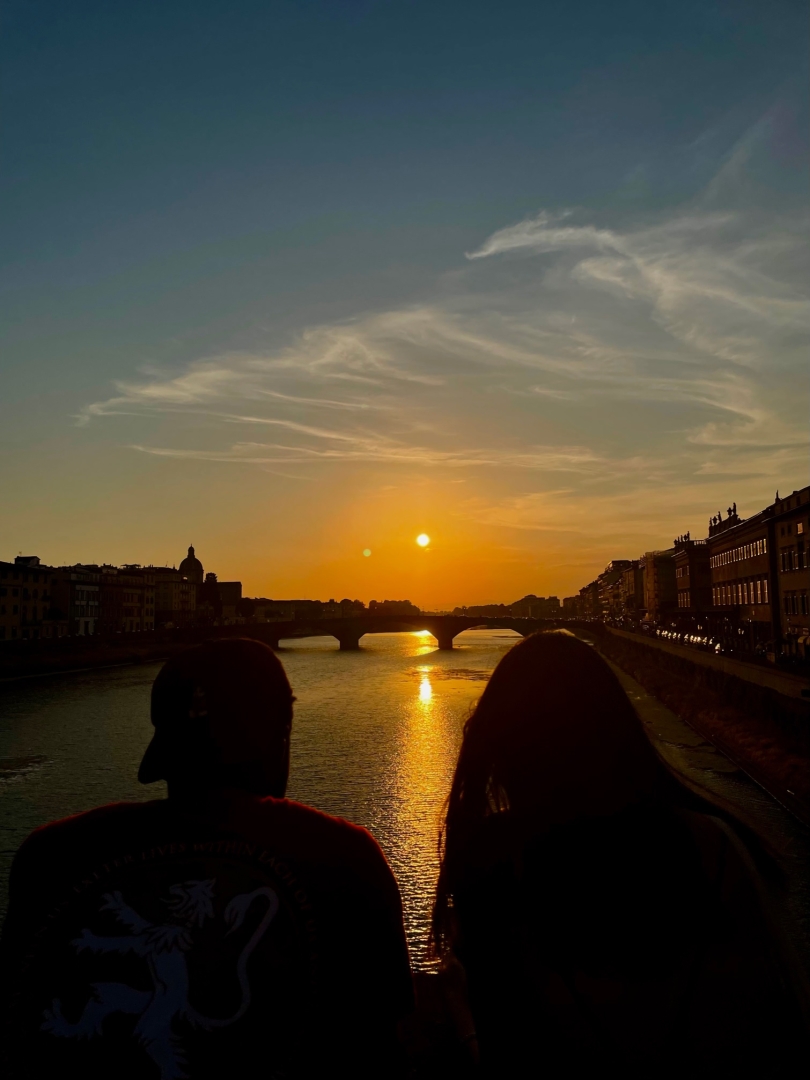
(175, 598)
(693, 575)
(742, 563)
(632, 591)
(609, 587)
(26, 590)
(791, 526)
(76, 607)
(658, 576)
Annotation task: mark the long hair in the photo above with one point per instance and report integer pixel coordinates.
(553, 740)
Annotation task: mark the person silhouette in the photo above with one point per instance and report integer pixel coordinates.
(603, 914)
(224, 930)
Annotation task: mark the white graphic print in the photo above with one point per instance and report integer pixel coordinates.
(164, 948)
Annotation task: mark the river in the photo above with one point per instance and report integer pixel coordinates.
(375, 738)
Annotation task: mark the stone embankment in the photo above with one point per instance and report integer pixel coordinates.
(24, 659)
(758, 717)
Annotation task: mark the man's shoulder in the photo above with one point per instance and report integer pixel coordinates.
(318, 836)
(112, 820)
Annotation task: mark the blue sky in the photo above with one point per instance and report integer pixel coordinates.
(290, 277)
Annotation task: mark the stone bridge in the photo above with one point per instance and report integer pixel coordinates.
(349, 631)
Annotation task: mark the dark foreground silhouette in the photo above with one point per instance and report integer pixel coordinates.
(224, 931)
(593, 911)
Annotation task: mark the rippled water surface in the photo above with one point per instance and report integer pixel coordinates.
(375, 739)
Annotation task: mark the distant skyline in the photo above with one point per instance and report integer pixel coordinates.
(297, 281)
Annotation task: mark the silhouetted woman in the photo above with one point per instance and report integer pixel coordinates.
(605, 916)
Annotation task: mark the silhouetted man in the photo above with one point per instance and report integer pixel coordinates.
(224, 931)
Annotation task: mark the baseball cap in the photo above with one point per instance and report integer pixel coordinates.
(225, 702)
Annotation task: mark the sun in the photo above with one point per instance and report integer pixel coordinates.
(423, 540)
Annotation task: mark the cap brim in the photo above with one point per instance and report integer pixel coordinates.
(153, 763)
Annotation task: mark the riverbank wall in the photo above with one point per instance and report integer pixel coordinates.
(26, 659)
(760, 719)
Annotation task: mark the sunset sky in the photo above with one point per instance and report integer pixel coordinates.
(289, 281)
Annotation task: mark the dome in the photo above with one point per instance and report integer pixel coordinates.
(191, 567)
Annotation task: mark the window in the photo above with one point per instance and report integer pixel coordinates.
(764, 590)
(759, 592)
(800, 527)
(803, 603)
(787, 603)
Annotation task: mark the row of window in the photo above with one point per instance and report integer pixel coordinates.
(26, 633)
(792, 559)
(744, 551)
(15, 610)
(16, 592)
(741, 592)
(795, 603)
(684, 598)
(681, 571)
(26, 575)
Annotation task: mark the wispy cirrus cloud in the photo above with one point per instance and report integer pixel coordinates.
(660, 353)
(380, 450)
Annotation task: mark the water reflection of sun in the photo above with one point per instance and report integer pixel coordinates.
(424, 768)
(425, 691)
(427, 642)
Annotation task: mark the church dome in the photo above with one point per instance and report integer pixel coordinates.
(192, 568)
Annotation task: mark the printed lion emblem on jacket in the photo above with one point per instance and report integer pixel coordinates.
(165, 947)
